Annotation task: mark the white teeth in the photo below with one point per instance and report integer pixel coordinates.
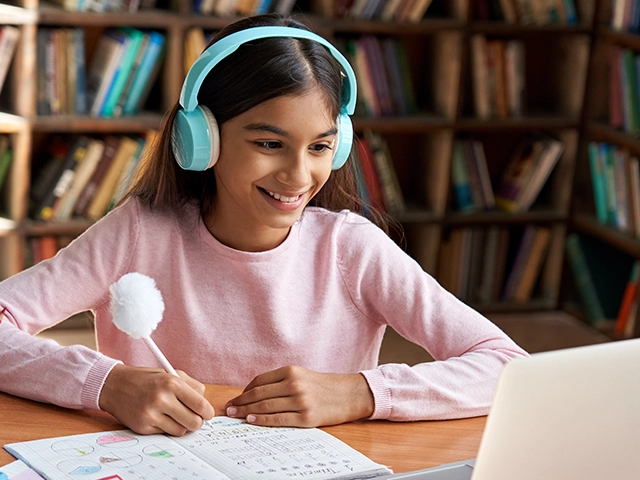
(282, 198)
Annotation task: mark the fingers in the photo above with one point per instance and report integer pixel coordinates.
(152, 401)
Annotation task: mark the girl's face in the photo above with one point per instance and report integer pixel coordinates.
(274, 158)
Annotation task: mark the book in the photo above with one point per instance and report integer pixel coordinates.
(460, 179)
(369, 173)
(145, 74)
(63, 178)
(519, 264)
(608, 162)
(533, 265)
(118, 109)
(516, 176)
(9, 36)
(103, 68)
(628, 298)
(84, 171)
(111, 143)
(19, 470)
(480, 77)
(100, 203)
(546, 162)
(601, 273)
(224, 448)
(616, 102)
(515, 75)
(418, 10)
(596, 166)
(634, 192)
(42, 103)
(481, 169)
(127, 174)
(391, 191)
(6, 157)
(134, 42)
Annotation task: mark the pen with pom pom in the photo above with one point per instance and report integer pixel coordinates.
(137, 308)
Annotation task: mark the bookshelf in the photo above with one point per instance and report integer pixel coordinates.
(421, 143)
(610, 132)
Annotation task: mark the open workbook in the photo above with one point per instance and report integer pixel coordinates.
(224, 448)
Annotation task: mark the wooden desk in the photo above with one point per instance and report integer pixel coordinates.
(401, 446)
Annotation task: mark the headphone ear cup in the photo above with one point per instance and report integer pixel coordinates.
(344, 142)
(195, 139)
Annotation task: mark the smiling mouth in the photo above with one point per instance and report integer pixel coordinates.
(282, 198)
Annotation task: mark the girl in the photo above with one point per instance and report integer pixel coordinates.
(269, 277)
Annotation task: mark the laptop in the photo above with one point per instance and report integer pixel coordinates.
(565, 414)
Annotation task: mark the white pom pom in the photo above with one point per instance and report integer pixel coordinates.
(136, 304)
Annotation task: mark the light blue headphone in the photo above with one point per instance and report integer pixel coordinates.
(195, 137)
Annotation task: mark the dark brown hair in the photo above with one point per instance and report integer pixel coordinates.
(256, 72)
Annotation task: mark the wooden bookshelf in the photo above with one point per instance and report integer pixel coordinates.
(421, 143)
(601, 126)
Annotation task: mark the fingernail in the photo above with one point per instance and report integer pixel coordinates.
(251, 418)
(232, 411)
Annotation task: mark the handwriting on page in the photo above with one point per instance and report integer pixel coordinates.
(232, 445)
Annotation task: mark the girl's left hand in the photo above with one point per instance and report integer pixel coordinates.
(296, 397)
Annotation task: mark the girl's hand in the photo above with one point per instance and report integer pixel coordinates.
(296, 397)
(149, 400)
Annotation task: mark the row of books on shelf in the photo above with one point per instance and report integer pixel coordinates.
(385, 85)
(625, 15)
(526, 173)
(102, 6)
(84, 177)
(624, 85)
(116, 82)
(495, 264)
(498, 77)
(526, 12)
(607, 284)
(411, 11)
(375, 174)
(615, 176)
(242, 7)
(9, 36)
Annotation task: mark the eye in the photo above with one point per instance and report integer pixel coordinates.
(269, 145)
(320, 148)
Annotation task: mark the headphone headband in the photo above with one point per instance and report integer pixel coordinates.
(227, 45)
(195, 136)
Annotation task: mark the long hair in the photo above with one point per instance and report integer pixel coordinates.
(256, 72)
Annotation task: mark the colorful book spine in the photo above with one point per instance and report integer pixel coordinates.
(584, 282)
(145, 74)
(598, 182)
(134, 42)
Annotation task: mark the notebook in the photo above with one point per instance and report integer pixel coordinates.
(559, 415)
(223, 449)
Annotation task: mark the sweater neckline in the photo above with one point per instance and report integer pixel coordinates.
(265, 255)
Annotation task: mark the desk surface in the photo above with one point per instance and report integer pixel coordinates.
(401, 446)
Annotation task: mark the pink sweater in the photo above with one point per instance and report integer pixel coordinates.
(321, 299)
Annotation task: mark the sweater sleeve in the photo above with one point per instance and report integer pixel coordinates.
(390, 288)
(77, 279)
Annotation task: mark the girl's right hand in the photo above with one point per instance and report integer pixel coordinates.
(150, 400)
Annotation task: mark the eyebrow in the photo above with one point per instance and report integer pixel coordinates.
(266, 127)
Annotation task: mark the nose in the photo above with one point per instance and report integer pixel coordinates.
(295, 170)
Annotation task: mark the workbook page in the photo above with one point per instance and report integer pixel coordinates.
(245, 451)
(117, 455)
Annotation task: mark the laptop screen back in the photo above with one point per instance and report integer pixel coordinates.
(566, 414)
